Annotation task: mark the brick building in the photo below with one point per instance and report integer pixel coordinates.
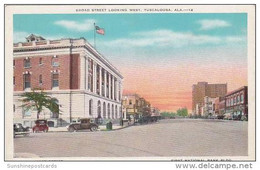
(203, 89)
(134, 105)
(237, 103)
(85, 83)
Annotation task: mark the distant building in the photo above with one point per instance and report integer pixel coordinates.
(219, 106)
(155, 111)
(133, 105)
(237, 102)
(208, 106)
(85, 83)
(203, 89)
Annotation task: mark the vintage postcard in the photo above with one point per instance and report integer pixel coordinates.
(130, 82)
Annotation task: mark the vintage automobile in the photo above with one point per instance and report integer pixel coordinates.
(20, 130)
(82, 124)
(40, 126)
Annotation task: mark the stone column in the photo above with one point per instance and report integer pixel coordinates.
(86, 73)
(113, 86)
(105, 76)
(94, 77)
(109, 86)
(100, 81)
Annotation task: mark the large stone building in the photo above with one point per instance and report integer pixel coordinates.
(85, 83)
(202, 89)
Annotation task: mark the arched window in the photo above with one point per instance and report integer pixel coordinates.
(108, 111)
(90, 106)
(113, 111)
(99, 109)
(120, 112)
(116, 111)
(55, 114)
(104, 110)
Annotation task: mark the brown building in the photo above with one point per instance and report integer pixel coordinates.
(202, 89)
(133, 105)
(219, 106)
(237, 103)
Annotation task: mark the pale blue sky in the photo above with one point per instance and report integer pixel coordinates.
(146, 35)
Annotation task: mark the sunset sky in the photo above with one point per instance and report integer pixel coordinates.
(160, 55)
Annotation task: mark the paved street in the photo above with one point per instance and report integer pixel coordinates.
(175, 137)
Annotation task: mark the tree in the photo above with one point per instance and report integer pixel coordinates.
(182, 112)
(38, 100)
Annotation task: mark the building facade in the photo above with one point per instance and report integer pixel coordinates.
(134, 105)
(85, 83)
(202, 89)
(236, 103)
(219, 106)
(208, 108)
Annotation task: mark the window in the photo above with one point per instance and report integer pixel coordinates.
(13, 80)
(130, 102)
(27, 81)
(231, 101)
(235, 100)
(27, 63)
(108, 111)
(26, 113)
(56, 114)
(90, 107)
(55, 80)
(55, 62)
(242, 98)
(40, 79)
(238, 99)
(104, 110)
(13, 107)
(99, 109)
(40, 61)
(13, 63)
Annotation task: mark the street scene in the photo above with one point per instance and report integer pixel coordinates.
(165, 85)
(171, 137)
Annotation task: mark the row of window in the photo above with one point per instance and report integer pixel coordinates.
(235, 100)
(27, 62)
(27, 80)
(106, 110)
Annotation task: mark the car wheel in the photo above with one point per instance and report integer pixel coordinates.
(93, 128)
(71, 129)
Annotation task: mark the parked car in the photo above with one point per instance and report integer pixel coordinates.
(40, 126)
(220, 116)
(83, 124)
(19, 129)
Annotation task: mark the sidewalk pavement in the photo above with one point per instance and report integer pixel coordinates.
(100, 128)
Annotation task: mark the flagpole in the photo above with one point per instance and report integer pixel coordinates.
(94, 35)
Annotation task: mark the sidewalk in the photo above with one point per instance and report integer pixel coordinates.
(100, 128)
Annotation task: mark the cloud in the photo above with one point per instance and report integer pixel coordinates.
(169, 38)
(212, 24)
(85, 25)
(20, 36)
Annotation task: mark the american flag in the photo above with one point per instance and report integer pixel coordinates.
(100, 30)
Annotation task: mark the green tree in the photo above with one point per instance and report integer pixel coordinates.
(182, 112)
(38, 100)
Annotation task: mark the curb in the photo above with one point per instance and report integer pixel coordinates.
(118, 128)
(98, 130)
